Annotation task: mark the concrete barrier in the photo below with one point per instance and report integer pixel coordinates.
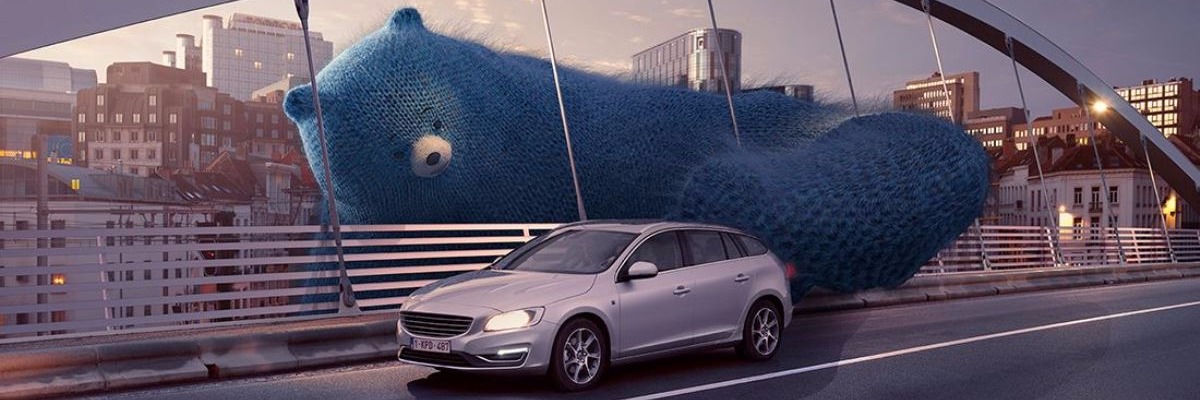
(76, 369)
(962, 285)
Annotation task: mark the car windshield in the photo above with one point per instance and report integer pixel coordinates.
(571, 252)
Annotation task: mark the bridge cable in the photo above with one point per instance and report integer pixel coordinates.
(1158, 200)
(1051, 223)
(937, 54)
(724, 72)
(562, 112)
(1107, 206)
(346, 290)
(845, 62)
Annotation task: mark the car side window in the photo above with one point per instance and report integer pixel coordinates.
(704, 247)
(731, 249)
(753, 246)
(662, 250)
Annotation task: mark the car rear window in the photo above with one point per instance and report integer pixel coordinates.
(753, 246)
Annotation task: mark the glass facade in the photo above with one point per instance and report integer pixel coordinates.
(691, 61)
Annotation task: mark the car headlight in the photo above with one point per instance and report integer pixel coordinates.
(513, 320)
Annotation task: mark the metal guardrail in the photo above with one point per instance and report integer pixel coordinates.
(86, 282)
(989, 248)
(142, 279)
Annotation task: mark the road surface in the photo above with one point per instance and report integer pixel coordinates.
(1116, 342)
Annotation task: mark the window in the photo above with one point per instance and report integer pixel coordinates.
(151, 154)
(731, 248)
(118, 118)
(100, 100)
(1078, 195)
(100, 118)
(1095, 194)
(1112, 194)
(116, 154)
(173, 118)
(153, 101)
(753, 246)
(82, 136)
(133, 154)
(205, 122)
(152, 136)
(135, 136)
(257, 65)
(274, 134)
(572, 252)
(137, 118)
(291, 56)
(662, 250)
(226, 125)
(82, 117)
(226, 109)
(153, 118)
(171, 137)
(258, 132)
(115, 136)
(704, 247)
(237, 52)
(58, 279)
(99, 154)
(274, 118)
(258, 117)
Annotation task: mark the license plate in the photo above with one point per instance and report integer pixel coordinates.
(436, 346)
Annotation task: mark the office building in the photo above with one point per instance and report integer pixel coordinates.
(929, 96)
(798, 92)
(247, 52)
(35, 99)
(691, 61)
(991, 127)
(1170, 106)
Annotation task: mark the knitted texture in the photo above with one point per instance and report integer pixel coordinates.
(424, 128)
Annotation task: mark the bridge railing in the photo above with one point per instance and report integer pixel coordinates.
(90, 281)
(989, 248)
(79, 282)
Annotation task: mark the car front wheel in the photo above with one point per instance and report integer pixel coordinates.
(760, 332)
(580, 356)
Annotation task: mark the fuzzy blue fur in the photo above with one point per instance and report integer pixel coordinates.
(855, 203)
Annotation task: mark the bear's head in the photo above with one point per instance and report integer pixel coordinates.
(418, 124)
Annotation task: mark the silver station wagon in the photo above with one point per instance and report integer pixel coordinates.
(585, 296)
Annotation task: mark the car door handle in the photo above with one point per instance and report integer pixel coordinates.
(681, 290)
(741, 278)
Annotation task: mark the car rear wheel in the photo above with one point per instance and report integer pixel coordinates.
(760, 332)
(580, 356)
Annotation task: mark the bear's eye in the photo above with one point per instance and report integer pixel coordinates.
(438, 126)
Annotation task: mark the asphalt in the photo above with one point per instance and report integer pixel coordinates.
(1149, 355)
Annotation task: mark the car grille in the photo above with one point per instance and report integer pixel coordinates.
(434, 325)
(449, 359)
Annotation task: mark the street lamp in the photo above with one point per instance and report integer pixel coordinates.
(1099, 107)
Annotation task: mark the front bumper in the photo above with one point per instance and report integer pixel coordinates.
(492, 352)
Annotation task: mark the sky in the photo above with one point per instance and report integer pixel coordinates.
(791, 41)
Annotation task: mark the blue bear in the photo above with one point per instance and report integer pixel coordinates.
(424, 128)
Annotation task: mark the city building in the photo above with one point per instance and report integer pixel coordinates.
(1072, 125)
(690, 61)
(929, 96)
(1170, 106)
(798, 92)
(149, 116)
(248, 52)
(1074, 191)
(269, 132)
(36, 98)
(994, 125)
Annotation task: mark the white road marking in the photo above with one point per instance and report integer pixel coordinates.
(911, 350)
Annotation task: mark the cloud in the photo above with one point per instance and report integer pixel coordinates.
(688, 12)
(636, 39)
(639, 18)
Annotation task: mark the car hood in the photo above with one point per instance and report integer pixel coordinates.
(503, 290)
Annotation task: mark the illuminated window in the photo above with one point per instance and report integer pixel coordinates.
(153, 100)
(257, 65)
(153, 118)
(1170, 119)
(237, 52)
(82, 136)
(137, 118)
(118, 118)
(82, 117)
(100, 118)
(99, 99)
(291, 56)
(173, 118)
(58, 279)
(75, 184)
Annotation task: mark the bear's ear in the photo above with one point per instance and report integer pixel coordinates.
(298, 103)
(406, 18)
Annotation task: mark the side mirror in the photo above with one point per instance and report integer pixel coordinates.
(642, 270)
